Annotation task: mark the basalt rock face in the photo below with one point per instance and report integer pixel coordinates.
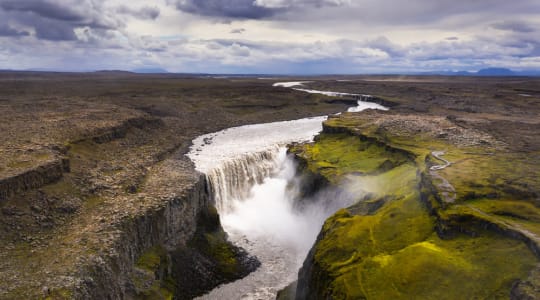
(47, 172)
(176, 249)
(208, 260)
(120, 131)
(168, 226)
(404, 237)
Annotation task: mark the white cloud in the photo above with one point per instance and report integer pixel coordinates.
(285, 36)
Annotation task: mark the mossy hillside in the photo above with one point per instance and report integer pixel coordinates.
(496, 175)
(393, 251)
(484, 267)
(361, 261)
(335, 155)
(477, 172)
(494, 189)
(350, 239)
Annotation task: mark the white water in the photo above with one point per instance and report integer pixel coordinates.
(289, 83)
(266, 224)
(328, 93)
(249, 172)
(236, 158)
(252, 181)
(363, 105)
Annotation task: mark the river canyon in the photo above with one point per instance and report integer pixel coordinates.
(234, 188)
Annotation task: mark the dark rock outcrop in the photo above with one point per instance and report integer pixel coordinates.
(187, 232)
(45, 173)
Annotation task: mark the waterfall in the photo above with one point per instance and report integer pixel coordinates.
(236, 159)
(252, 180)
(232, 180)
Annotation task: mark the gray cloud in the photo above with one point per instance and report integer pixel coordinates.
(57, 20)
(8, 31)
(320, 36)
(250, 9)
(301, 3)
(44, 9)
(54, 31)
(451, 14)
(515, 26)
(238, 30)
(241, 9)
(145, 12)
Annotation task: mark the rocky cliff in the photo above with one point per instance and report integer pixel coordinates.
(420, 228)
(98, 201)
(114, 239)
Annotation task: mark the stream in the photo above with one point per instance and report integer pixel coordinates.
(252, 182)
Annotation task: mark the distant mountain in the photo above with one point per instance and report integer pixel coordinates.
(113, 72)
(150, 70)
(496, 72)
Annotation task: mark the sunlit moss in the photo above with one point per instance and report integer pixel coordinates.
(393, 250)
(334, 155)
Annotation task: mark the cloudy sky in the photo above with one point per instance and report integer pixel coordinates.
(270, 36)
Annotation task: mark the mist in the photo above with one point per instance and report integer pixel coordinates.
(270, 212)
(274, 224)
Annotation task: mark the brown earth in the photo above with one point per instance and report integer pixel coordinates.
(85, 156)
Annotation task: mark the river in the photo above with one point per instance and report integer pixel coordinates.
(252, 182)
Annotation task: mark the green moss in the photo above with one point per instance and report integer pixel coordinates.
(484, 267)
(512, 209)
(20, 164)
(58, 294)
(222, 252)
(151, 259)
(500, 175)
(93, 201)
(156, 291)
(62, 188)
(84, 148)
(335, 155)
(393, 251)
(398, 223)
(211, 241)
(28, 160)
(155, 262)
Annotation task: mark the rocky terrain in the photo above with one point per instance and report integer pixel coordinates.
(448, 199)
(97, 199)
